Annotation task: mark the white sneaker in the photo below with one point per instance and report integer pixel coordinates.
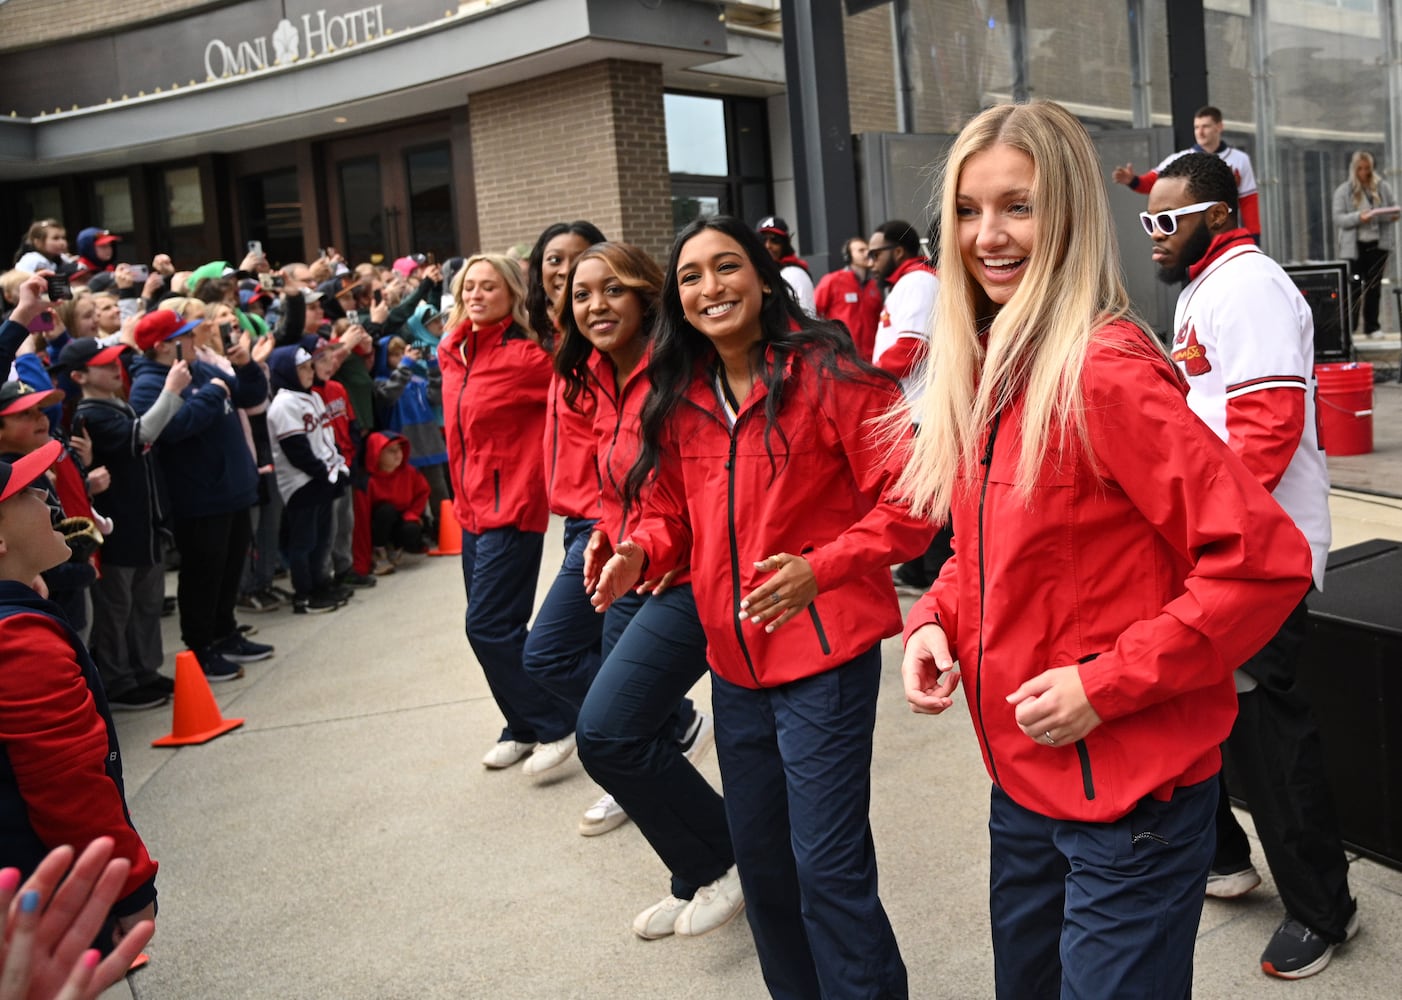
(700, 737)
(601, 817)
(548, 756)
(715, 905)
(1230, 885)
(659, 919)
(505, 753)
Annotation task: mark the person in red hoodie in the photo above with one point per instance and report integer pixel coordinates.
(397, 493)
(1114, 561)
(496, 378)
(774, 486)
(562, 650)
(851, 295)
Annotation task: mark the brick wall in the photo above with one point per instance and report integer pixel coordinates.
(871, 71)
(35, 22)
(591, 147)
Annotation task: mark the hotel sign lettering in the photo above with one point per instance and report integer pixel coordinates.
(315, 34)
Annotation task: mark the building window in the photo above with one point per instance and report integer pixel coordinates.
(362, 209)
(430, 176)
(184, 197)
(718, 155)
(273, 214)
(113, 197)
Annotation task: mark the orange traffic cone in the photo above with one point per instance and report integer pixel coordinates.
(449, 532)
(197, 718)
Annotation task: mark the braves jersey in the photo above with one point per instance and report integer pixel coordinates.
(1232, 157)
(907, 315)
(292, 413)
(1241, 327)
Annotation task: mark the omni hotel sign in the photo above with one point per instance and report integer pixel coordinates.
(314, 34)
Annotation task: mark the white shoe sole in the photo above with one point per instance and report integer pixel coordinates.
(610, 822)
(1234, 885)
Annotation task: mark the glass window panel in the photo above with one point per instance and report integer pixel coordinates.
(113, 196)
(273, 214)
(961, 61)
(44, 203)
(696, 135)
(431, 228)
(361, 210)
(751, 159)
(184, 198)
(687, 207)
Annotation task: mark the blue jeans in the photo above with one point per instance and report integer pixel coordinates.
(562, 650)
(499, 569)
(796, 763)
(1099, 909)
(654, 651)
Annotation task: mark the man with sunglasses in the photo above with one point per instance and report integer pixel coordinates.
(1244, 338)
(1207, 130)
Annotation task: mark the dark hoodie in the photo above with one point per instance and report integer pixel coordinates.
(87, 251)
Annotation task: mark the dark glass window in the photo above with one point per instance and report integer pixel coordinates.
(718, 154)
(273, 214)
(430, 178)
(362, 209)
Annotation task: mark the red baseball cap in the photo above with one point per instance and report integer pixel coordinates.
(22, 472)
(105, 237)
(159, 325)
(16, 397)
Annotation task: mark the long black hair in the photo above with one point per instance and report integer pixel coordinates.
(537, 302)
(635, 271)
(786, 331)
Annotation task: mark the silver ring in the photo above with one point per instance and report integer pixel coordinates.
(1050, 742)
(774, 598)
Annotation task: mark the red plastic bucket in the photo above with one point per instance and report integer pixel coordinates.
(1346, 407)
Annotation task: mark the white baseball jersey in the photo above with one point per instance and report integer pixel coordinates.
(1232, 157)
(1241, 327)
(907, 314)
(802, 284)
(293, 412)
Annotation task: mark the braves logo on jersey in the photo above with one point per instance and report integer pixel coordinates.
(885, 319)
(1192, 356)
(309, 423)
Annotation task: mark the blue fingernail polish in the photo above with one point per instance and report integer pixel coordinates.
(29, 901)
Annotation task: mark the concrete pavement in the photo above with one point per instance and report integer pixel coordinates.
(346, 843)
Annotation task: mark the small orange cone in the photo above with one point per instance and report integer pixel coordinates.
(449, 532)
(197, 718)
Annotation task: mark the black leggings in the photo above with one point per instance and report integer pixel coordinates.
(389, 527)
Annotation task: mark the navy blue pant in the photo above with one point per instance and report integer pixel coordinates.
(562, 650)
(1099, 909)
(308, 543)
(654, 651)
(796, 763)
(499, 569)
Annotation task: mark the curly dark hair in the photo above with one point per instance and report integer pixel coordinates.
(537, 302)
(634, 270)
(1208, 177)
(679, 349)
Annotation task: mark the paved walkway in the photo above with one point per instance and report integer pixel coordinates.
(346, 843)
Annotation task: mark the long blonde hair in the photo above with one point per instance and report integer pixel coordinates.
(1359, 190)
(1036, 345)
(515, 285)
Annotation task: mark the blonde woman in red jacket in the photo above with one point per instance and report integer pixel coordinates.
(771, 483)
(495, 380)
(1114, 562)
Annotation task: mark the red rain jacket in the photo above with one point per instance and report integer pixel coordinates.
(405, 488)
(571, 472)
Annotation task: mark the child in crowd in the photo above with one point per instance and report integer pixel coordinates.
(328, 357)
(398, 493)
(62, 780)
(311, 474)
(126, 632)
(409, 400)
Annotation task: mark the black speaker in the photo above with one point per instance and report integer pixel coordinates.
(1351, 672)
(1326, 286)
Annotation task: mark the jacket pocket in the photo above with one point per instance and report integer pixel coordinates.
(496, 490)
(818, 628)
(1087, 780)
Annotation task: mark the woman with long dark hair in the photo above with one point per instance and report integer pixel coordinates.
(769, 479)
(638, 733)
(562, 650)
(495, 380)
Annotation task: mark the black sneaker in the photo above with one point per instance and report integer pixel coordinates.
(356, 581)
(1295, 951)
(258, 602)
(316, 604)
(240, 650)
(167, 607)
(340, 595)
(216, 668)
(161, 683)
(144, 696)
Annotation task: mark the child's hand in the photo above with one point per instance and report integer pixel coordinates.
(99, 480)
(81, 445)
(412, 355)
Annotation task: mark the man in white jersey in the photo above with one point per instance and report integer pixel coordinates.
(1244, 338)
(1207, 130)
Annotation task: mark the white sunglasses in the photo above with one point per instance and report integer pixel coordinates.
(1167, 222)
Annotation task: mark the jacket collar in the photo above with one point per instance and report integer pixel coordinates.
(1220, 244)
(908, 265)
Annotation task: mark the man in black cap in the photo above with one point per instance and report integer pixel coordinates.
(794, 270)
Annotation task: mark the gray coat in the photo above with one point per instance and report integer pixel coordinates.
(1346, 221)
